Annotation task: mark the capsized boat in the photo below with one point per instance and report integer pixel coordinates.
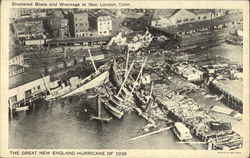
(112, 108)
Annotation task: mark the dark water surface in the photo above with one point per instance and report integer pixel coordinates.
(59, 125)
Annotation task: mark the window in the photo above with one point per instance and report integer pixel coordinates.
(192, 19)
(100, 32)
(199, 18)
(204, 17)
(185, 20)
(104, 32)
(76, 24)
(179, 21)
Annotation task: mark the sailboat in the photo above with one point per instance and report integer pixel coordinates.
(95, 79)
(112, 107)
(99, 117)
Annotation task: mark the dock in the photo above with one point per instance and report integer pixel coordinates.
(197, 119)
(232, 91)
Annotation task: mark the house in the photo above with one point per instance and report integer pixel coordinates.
(101, 22)
(78, 24)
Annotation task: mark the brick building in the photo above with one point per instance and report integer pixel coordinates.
(79, 24)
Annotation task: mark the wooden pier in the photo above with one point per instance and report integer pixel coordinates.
(228, 98)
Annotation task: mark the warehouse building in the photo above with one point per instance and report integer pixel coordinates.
(25, 85)
(171, 17)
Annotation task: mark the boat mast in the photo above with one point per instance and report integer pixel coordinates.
(151, 90)
(143, 64)
(126, 68)
(92, 60)
(65, 55)
(99, 105)
(125, 78)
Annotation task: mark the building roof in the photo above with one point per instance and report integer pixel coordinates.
(97, 14)
(164, 13)
(200, 11)
(23, 78)
(100, 16)
(167, 13)
(30, 19)
(233, 87)
(82, 39)
(15, 67)
(80, 12)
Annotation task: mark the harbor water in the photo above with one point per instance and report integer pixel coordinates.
(60, 125)
(65, 124)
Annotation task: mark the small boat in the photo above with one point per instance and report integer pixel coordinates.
(181, 131)
(114, 110)
(21, 108)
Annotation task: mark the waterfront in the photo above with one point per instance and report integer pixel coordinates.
(58, 127)
(65, 124)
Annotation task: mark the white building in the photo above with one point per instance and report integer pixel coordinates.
(170, 17)
(26, 85)
(101, 22)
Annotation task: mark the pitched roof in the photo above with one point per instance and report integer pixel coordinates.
(164, 13)
(200, 11)
(167, 13)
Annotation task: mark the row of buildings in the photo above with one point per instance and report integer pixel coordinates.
(34, 24)
(174, 17)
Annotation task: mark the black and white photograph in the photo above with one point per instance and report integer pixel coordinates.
(125, 78)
